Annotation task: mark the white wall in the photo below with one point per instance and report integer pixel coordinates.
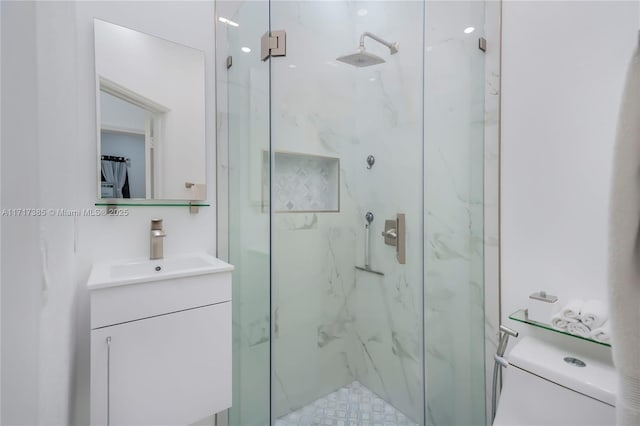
(48, 154)
(563, 67)
(20, 298)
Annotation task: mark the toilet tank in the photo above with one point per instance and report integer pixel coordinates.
(547, 385)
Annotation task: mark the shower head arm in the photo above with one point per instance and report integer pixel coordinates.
(393, 47)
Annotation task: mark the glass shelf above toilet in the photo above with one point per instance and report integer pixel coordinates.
(521, 316)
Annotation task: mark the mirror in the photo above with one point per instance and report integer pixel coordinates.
(151, 117)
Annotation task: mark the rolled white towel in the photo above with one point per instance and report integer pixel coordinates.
(602, 333)
(594, 313)
(560, 322)
(572, 309)
(579, 329)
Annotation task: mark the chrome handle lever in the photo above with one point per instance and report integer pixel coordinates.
(391, 233)
(394, 235)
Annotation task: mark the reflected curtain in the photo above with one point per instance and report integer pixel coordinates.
(108, 172)
(115, 172)
(120, 175)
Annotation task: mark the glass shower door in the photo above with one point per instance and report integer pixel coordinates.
(454, 206)
(347, 332)
(245, 78)
(329, 324)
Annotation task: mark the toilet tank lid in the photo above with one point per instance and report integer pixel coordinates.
(596, 379)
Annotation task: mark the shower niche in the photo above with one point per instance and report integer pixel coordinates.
(301, 183)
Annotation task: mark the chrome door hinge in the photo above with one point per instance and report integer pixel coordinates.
(482, 44)
(273, 44)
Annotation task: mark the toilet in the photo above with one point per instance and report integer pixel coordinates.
(546, 385)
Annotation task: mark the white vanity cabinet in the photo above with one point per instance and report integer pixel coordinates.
(161, 349)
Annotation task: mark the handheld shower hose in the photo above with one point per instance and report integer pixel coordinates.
(500, 362)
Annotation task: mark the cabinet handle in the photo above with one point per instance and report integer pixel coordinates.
(108, 380)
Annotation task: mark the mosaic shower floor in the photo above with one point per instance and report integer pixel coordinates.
(352, 405)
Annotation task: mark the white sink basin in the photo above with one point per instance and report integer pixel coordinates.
(121, 272)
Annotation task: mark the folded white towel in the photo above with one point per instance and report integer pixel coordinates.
(594, 313)
(572, 309)
(560, 322)
(579, 329)
(602, 333)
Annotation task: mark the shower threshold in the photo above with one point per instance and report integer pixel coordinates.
(352, 405)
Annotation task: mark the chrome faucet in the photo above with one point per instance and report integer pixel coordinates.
(157, 234)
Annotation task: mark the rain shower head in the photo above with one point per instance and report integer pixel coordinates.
(362, 58)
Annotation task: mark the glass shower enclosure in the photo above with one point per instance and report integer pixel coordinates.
(351, 155)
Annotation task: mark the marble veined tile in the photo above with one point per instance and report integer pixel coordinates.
(349, 406)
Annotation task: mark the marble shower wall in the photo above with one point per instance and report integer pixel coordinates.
(346, 324)
(389, 326)
(454, 242)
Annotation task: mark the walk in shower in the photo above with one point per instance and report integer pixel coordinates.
(355, 221)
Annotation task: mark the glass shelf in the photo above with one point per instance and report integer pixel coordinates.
(151, 204)
(113, 206)
(521, 316)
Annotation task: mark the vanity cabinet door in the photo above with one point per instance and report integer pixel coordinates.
(172, 369)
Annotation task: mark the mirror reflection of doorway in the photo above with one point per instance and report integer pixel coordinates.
(126, 147)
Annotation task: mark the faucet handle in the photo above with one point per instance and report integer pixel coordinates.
(156, 224)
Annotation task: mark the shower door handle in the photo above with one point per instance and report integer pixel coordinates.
(394, 235)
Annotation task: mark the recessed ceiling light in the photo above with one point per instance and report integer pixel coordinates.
(245, 49)
(469, 30)
(372, 79)
(362, 12)
(228, 21)
(292, 66)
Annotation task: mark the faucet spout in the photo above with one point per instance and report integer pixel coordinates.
(156, 248)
